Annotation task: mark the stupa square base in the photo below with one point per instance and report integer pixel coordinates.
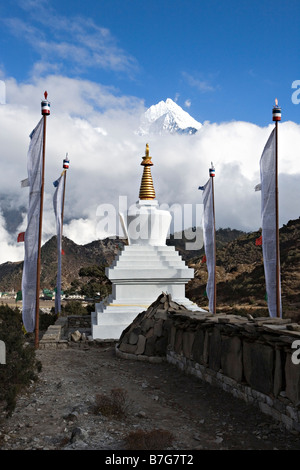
(110, 319)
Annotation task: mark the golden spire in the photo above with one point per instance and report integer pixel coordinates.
(147, 189)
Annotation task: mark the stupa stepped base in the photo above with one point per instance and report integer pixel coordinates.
(110, 319)
(139, 274)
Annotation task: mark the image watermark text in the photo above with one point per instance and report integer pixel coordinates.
(296, 354)
(296, 93)
(141, 223)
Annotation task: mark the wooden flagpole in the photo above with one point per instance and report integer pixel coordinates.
(45, 112)
(63, 204)
(277, 118)
(212, 175)
(66, 164)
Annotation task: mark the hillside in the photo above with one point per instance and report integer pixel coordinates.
(96, 253)
(240, 272)
(99, 252)
(223, 237)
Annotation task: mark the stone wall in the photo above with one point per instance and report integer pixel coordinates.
(79, 321)
(58, 336)
(54, 336)
(71, 331)
(250, 358)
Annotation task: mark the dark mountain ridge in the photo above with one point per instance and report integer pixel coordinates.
(75, 257)
(240, 271)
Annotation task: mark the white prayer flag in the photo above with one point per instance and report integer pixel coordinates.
(57, 205)
(31, 242)
(268, 215)
(209, 241)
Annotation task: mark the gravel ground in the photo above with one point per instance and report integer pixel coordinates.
(58, 411)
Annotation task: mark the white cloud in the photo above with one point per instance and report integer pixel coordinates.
(10, 250)
(96, 127)
(82, 230)
(69, 44)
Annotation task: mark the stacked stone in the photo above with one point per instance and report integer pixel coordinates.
(146, 338)
(52, 338)
(241, 348)
(248, 357)
(79, 321)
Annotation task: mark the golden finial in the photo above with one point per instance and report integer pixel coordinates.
(147, 189)
(147, 158)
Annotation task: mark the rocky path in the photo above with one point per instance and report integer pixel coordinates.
(58, 412)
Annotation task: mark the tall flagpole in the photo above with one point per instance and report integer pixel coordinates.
(212, 175)
(66, 164)
(45, 109)
(276, 114)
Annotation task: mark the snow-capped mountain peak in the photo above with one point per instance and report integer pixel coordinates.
(167, 117)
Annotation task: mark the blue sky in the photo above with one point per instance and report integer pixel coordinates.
(104, 63)
(220, 60)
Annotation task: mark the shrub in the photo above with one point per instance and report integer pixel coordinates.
(73, 307)
(46, 319)
(21, 364)
(114, 405)
(157, 439)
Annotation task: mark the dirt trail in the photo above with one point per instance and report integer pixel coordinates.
(57, 412)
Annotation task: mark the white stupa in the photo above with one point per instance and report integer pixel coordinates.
(145, 268)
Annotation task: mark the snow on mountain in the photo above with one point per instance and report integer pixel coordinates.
(167, 117)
